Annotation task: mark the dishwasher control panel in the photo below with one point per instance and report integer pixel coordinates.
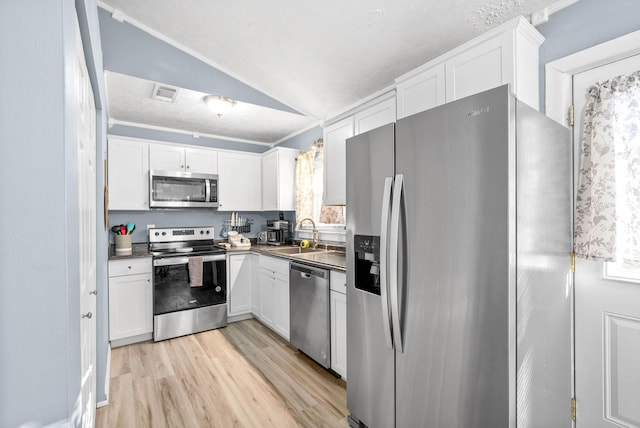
(367, 263)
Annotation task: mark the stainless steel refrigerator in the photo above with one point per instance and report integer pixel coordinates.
(458, 284)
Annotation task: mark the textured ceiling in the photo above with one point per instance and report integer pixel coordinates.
(320, 57)
(129, 100)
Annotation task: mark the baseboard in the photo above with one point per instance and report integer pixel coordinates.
(107, 378)
(131, 340)
(241, 317)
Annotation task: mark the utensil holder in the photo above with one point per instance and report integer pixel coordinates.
(123, 245)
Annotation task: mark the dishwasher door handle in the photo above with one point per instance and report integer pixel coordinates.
(305, 275)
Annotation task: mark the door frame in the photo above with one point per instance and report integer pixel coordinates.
(558, 84)
(558, 100)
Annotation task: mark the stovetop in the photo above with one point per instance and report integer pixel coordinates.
(182, 241)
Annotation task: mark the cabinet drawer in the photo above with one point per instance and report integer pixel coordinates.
(129, 266)
(338, 281)
(275, 265)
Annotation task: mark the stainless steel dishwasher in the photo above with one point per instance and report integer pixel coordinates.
(309, 302)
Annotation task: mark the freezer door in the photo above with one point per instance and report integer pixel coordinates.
(455, 369)
(370, 361)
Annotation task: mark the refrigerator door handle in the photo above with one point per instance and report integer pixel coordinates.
(396, 208)
(384, 248)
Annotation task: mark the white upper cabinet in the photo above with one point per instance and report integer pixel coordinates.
(278, 179)
(128, 174)
(202, 161)
(335, 137)
(239, 181)
(421, 92)
(178, 158)
(375, 116)
(508, 54)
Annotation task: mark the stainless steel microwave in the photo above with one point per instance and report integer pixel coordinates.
(176, 189)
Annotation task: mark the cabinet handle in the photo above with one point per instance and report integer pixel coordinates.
(87, 315)
(129, 267)
(94, 292)
(188, 167)
(181, 166)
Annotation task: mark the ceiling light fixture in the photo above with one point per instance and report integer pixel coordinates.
(219, 105)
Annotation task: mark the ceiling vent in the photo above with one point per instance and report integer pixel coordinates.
(164, 93)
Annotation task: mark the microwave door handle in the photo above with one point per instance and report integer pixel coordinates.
(207, 190)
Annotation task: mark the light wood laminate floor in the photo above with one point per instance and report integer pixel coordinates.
(243, 375)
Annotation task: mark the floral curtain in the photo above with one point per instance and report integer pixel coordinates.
(304, 184)
(309, 188)
(607, 224)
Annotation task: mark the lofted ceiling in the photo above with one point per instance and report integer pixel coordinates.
(319, 58)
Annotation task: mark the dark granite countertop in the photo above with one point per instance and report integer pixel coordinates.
(334, 259)
(137, 250)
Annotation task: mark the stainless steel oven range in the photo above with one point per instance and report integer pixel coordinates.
(189, 281)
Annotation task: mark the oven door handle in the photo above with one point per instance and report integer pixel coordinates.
(183, 260)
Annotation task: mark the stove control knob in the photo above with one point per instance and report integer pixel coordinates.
(208, 232)
(202, 232)
(157, 233)
(164, 233)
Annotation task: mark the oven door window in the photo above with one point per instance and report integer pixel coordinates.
(173, 292)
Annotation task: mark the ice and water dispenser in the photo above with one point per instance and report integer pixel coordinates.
(367, 263)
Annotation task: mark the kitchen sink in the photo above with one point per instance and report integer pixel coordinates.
(296, 250)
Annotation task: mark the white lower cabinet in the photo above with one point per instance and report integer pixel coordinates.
(130, 300)
(338, 299)
(274, 294)
(241, 270)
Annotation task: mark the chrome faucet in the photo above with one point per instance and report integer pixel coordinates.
(315, 230)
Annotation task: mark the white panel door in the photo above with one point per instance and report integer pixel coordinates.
(607, 314)
(86, 145)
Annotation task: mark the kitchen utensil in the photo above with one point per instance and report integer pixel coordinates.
(123, 229)
(116, 229)
(130, 227)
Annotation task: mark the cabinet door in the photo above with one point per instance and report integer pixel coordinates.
(201, 161)
(128, 175)
(240, 276)
(239, 182)
(338, 333)
(281, 321)
(166, 158)
(270, 182)
(267, 297)
(485, 66)
(375, 116)
(130, 306)
(421, 92)
(256, 286)
(335, 137)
